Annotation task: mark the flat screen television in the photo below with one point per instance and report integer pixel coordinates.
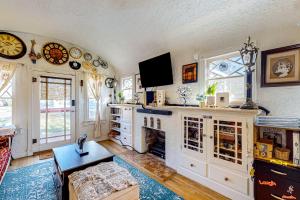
(156, 71)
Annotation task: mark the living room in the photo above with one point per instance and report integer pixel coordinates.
(149, 99)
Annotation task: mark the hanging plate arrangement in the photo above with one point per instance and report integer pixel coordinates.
(104, 64)
(88, 56)
(75, 65)
(55, 53)
(75, 53)
(11, 46)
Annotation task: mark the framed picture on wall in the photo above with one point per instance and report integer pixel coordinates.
(281, 66)
(138, 84)
(190, 73)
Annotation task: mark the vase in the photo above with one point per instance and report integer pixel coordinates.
(210, 101)
(202, 104)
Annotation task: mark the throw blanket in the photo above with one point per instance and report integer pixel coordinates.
(100, 181)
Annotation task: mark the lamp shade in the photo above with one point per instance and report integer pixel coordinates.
(249, 53)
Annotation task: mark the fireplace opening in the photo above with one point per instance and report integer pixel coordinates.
(155, 141)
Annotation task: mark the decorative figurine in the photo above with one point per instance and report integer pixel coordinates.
(32, 55)
(80, 143)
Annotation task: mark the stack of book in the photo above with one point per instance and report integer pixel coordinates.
(280, 122)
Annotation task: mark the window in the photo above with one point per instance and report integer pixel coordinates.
(6, 101)
(229, 73)
(127, 88)
(92, 104)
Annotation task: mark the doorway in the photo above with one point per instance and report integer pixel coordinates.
(53, 110)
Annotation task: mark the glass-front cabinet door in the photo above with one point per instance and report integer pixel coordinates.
(229, 142)
(194, 136)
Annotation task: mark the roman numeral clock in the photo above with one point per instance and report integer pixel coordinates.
(11, 46)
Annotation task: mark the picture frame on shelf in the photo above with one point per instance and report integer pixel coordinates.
(138, 84)
(280, 66)
(190, 73)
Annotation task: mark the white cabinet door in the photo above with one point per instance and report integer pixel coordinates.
(127, 114)
(194, 136)
(228, 142)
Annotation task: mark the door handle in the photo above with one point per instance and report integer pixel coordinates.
(276, 197)
(277, 172)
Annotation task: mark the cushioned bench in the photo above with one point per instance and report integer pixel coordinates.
(106, 181)
(6, 135)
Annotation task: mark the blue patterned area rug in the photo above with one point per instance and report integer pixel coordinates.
(35, 182)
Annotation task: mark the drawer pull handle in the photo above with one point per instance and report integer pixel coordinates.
(211, 137)
(277, 172)
(276, 197)
(204, 135)
(226, 179)
(192, 165)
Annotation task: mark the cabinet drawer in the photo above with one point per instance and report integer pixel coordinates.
(194, 165)
(126, 139)
(228, 178)
(126, 128)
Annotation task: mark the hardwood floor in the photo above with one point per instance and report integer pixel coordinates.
(181, 185)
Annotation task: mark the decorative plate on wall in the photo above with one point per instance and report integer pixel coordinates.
(11, 46)
(55, 53)
(75, 53)
(88, 56)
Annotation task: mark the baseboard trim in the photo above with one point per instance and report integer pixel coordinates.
(228, 192)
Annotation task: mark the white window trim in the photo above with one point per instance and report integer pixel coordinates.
(226, 55)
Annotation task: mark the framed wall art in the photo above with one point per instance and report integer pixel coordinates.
(138, 84)
(281, 66)
(190, 73)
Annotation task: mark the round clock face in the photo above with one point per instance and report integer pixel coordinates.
(87, 56)
(55, 53)
(75, 53)
(11, 46)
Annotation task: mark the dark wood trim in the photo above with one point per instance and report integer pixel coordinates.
(264, 55)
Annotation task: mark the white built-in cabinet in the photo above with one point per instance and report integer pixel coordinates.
(121, 119)
(214, 146)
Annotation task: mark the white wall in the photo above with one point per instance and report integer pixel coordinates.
(23, 94)
(280, 100)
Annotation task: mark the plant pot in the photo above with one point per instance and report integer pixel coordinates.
(210, 101)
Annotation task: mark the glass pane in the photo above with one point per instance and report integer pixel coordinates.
(5, 112)
(127, 94)
(92, 108)
(55, 109)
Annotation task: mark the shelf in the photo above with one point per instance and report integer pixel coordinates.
(115, 121)
(226, 149)
(116, 129)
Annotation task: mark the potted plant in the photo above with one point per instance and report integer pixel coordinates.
(210, 94)
(121, 97)
(201, 99)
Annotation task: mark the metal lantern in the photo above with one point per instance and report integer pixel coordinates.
(249, 55)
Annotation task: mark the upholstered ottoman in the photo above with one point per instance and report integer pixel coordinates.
(106, 181)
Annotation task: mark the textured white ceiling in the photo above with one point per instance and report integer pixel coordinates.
(128, 31)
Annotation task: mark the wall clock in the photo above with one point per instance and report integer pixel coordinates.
(11, 46)
(75, 53)
(88, 56)
(55, 53)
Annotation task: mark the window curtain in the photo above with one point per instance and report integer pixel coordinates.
(7, 71)
(94, 83)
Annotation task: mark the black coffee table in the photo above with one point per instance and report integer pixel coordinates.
(67, 160)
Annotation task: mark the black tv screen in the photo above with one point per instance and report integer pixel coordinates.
(156, 71)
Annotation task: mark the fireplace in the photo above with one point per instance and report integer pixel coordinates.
(155, 141)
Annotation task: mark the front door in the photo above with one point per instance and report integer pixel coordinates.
(53, 110)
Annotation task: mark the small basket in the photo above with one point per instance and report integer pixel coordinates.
(282, 153)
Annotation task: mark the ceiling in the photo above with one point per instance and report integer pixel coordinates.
(128, 31)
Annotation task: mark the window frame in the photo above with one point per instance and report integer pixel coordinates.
(226, 56)
(132, 85)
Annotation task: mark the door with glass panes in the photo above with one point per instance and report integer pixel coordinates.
(228, 142)
(194, 136)
(53, 110)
